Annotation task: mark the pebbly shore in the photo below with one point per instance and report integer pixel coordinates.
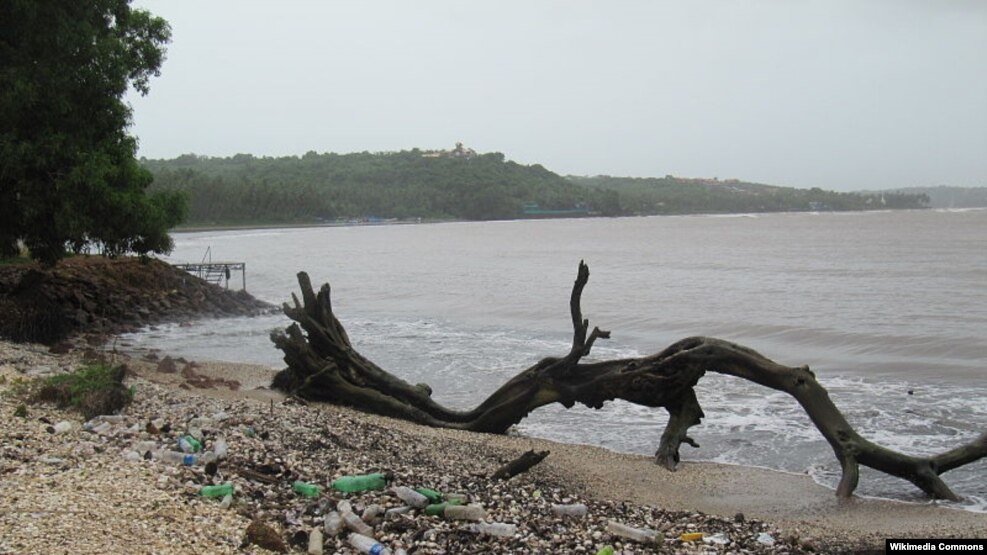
(100, 491)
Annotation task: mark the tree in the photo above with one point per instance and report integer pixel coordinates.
(323, 365)
(69, 178)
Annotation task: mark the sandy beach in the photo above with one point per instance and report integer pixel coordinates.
(53, 497)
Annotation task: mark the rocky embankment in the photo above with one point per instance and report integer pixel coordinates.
(101, 296)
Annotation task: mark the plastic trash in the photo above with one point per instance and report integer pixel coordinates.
(691, 536)
(175, 457)
(356, 524)
(315, 542)
(574, 510)
(371, 513)
(430, 494)
(365, 482)
(333, 523)
(397, 511)
(464, 512)
(189, 444)
(367, 545)
(414, 498)
(222, 490)
(498, 529)
(457, 498)
(640, 535)
(765, 538)
(144, 446)
(605, 550)
(306, 489)
(63, 427)
(719, 539)
(438, 509)
(343, 506)
(226, 502)
(220, 447)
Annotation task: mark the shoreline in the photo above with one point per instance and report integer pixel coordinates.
(802, 515)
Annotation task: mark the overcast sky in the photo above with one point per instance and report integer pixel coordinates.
(837, 94)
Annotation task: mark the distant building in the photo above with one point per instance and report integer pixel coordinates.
(459, 151)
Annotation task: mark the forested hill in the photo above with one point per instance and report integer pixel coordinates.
(457, 184)
(679, 195)
(404, 185)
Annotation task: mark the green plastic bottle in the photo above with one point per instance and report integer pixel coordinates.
(306, 489)
(608, 550)
(350, 484)
(222, 490)
(439, 509)
(432, 495)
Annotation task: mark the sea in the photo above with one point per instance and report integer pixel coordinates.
(888, 308)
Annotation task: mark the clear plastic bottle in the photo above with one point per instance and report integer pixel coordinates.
(226, 502)
(498, 529)
(356, 524)
(640, 535)
(367, 545)
(333, 524)
(573, 510)
(315, 542)
(175, 457)
(464, 512)
(220, 447)
(371, 513)
(410, 496)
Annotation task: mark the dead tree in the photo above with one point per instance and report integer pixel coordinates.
(324, 366)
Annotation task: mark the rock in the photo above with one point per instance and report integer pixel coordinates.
(264, 536)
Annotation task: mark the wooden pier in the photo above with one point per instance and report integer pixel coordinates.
(216, 272)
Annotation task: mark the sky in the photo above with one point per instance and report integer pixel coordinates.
(838, 94)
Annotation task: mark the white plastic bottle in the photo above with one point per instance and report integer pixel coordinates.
(640, 535)
(464, 512)
(220, 447)
(333, 524)
(356, 524)
(367, 545)
(410, 496)
(573, 510)
(498, 529)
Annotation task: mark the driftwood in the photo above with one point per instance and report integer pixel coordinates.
(324, 366)
(519, 465)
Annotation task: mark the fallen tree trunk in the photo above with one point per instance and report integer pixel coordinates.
(324, 366)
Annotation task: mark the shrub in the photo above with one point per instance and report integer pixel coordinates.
(92, 390)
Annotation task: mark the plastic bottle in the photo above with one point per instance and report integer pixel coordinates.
(222, 490)
(306, 489)
(226, 502)
(344, 506)
(414, 498)
(464, 512)
(438, 509)
(367, 545)
(393, 511)
(315, 542)
(691, 536)
(356, 524)
(333, 524)
(605, 550)
(457, 498)
(176, 457)
(220, 447)
(498, 529)
(719, 539)
(144, 446)
(350, 484)
(573, 510)
(640, 535)
(189, 444)
(371, 513)
(430, 494)
(63, 427)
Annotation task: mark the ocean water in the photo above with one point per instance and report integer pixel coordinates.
(878, 304)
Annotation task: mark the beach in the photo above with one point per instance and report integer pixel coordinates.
(81, 491)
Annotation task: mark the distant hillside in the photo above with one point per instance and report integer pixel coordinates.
(457, 184)
(950, 197)
(679, 195)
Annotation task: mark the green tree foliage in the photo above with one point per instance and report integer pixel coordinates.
(674, 195)
(68, 176)
(404, 185)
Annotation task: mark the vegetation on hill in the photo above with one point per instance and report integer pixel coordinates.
(675, 195)
(458, 184)
(403, 185)
(945, 196)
